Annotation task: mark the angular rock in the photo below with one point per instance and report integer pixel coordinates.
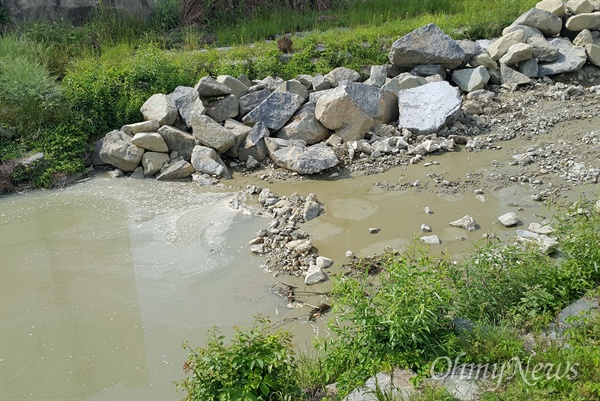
(320, 83)
(186, 100)
(593, 53)
(470, 48)
(426, 45)
(556, 7)
(161, 108)
(238, 88)
(138, 173)
(379, 104)
(430, 240)
(471, 79)
(482, 59)
(570, 58)
(543, 50)
(206, 160)
(239, 131)
(210, 87)
(502, 44)
(544, 243)
(153, 162)
(144, 126)
(302, 159)
(293, 86)
(299, 245)
(271, 83)
(580, 22)
(304, 126)
(429, 70)
(517, 53)
(340, 74)
(338, 111)
(324, 262)
(209, 133)
(528, 31)
(117, 150)
(275, 110)
(509, 219)
(248, 102)
(540, 228)
(529, 68)
(151, 141)
(583, 39)
(178, 169)
(178, 141)
(548, 23)
(426, 109)
(467, 222)
(224, 108)
(579, 6)
(378, 75)
(306, 80)
(512, 77)
(314, 275)
(311, 210)
(254, 144)
(404, 81)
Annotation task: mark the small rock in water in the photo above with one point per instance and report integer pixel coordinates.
(428, 210)
(252, 163)
(540, 228)
(116, 173)
(350, 254)
(509, 219)
(480, 198)
(426, 228)
(467, 222)
(324, 262)
(479, 191)
(314, 275)
(374, 230)
(431, 240)
(258, 249)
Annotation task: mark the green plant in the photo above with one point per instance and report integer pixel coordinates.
(257, 365)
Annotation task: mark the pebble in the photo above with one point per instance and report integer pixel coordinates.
(431, 240)
(350, 254)
(374, 230)
(426, 228)
(480, 198)
(428, 210)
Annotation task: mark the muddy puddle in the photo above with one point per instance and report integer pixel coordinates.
(103, 281)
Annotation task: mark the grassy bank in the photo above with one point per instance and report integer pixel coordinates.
(406, 316)
(62, 86)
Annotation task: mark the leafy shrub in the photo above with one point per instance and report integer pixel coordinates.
(256, 366)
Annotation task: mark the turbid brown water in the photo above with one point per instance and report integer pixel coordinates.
(102, 282)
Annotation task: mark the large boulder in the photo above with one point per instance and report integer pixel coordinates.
(501, 45)
(153, 162)
(177, 169)
(580, 22)
(144, 126)
(151, 141)
(210, 133)
(254, 144)
(378, 75)
(206, 160)
(187, 100)
(517, 53)
(579, 6)
(570, 58)
(293, 86)
(426, 45)
(528, 31)
(275, 110)
(542, 49)
(178, 141)
(427, 108)
(161, 108)
(379, 104)
(238, 88)
(223, 108)
(593, 52)
(556, 7)
(513, 77)
(548, 23)
(239, 131)
(341, 74)
(338, 111)
(404, 81)
(304, 126)
(248, 102)
(117, 150)
(301, 158)
(471, 79)
(210, 87)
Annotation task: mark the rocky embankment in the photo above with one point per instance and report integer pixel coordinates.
(436, 94)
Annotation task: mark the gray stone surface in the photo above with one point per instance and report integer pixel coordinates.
(339, 112)
(513, 77)
(161, 108)
(117, 150)
(593, 53)
(426, 45)
(470, 48)
(467, 222)
(482, 59)
(153, 162)
(430, 240)
(529, 68)
(275, 110)
(580, 22)
(144, 126)
(556, 7)
(248, 102)
(178, 141)
(404, 81)
(239, 131)
(206, 160)
(223, 108)
(509, 219)
(378, 75)
(427, 108)
(254, 144)
(528, 31)
(320, 83)
(293, 86)
(548, 23)
(210, 87)
(304, 126)
(151, 141)
(186, 100)
(396, 386)
(570, 58)
(579, 6)
(379, 104)
(517, 53)
(543, 50)
(238, 88)
(300, 158)
(501, 45)
(584, 38)
(471, 79)
(210, 133)
(314, 275)
(178, 169)
(340, 74)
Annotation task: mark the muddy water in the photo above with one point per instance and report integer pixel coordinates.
(102, 282)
